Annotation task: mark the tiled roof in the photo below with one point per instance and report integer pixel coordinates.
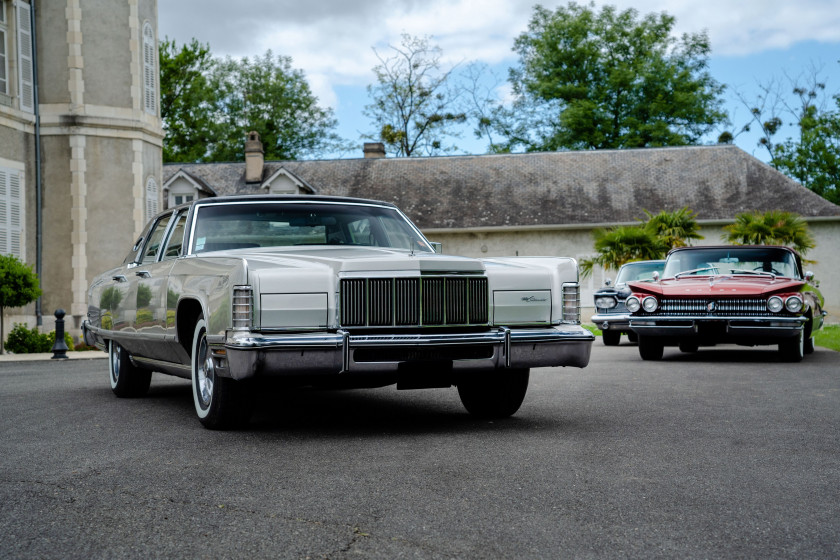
(556, 188)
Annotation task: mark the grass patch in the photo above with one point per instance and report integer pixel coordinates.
(591, 328)
(828, 337)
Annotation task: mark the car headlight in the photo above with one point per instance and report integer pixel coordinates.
(794, 304)
(775, 304)
(605, 302)
(650, 304)
(633, 304)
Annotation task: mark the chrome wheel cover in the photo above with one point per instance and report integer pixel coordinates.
(205, 375)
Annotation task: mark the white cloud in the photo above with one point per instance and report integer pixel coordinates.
(331, 40)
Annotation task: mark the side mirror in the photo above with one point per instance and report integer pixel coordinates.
(438, 247)
(655, 276)
(607, 282)
(809, 276)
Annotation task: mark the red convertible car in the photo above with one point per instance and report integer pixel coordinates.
(745, 294)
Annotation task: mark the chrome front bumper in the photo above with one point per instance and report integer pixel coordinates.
(252, 354)
(736, 327)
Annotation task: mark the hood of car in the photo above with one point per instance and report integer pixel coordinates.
(357, 259)
(719, 285)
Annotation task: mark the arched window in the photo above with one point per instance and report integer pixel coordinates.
(149, 68)
(152, 205)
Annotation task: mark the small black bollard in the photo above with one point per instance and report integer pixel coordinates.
(60, 347)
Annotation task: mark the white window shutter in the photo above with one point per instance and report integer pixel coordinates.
(4, 212)
(26, 78)
(149, 67)
(11, 213)
(151, 198)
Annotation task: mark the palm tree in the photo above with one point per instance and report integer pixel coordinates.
(675, 229)
(773, 227)
(651, 239)
(623, 244)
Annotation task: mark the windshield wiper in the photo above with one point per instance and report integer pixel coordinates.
(756, 272)
(696, 270)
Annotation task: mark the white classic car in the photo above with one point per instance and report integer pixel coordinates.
(326, 291)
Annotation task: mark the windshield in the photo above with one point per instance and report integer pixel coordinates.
(638, 271)
(240, 225)
(731, 260)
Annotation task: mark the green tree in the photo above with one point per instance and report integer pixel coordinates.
(18, 286)
(267, 95)
(812, 154)
(774, 227)
(413, 105)
(813, 159)
(187, 103)
(609, 79)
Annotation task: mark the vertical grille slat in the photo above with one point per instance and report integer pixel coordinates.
(433, 300)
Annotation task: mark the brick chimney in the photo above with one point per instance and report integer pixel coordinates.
(254, 158)
(374, 150)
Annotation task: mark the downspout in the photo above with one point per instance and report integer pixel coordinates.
(38, 210)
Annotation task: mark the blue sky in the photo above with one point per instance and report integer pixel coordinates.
(753, 42)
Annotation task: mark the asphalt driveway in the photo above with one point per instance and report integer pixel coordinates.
(726, 453)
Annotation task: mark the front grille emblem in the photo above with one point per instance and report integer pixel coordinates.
(710, 307)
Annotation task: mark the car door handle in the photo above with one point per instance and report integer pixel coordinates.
(143, 274)
(118, 278)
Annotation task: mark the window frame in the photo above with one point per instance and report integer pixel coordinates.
(25, 59)
(4, 50)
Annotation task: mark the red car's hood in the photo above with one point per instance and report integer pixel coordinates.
(720, 285)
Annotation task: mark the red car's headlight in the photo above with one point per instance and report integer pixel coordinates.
(650, 304)
(794, 304)
(775, 304)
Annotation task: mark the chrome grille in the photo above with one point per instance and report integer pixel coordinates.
(407, 302)
(753, 307)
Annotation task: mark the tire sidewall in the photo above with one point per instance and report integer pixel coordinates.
(113, 350)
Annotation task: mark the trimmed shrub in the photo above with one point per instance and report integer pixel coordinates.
(23, 340)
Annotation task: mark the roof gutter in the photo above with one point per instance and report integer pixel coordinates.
(38, 210)
(570, 227)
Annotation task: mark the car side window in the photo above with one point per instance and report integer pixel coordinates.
(172, 250)
(155, 239)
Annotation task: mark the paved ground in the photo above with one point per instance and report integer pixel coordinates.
(722, 454)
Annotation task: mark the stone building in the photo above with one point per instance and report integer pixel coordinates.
(540, 204)
(80, 140)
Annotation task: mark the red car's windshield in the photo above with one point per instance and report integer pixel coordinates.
(732, 260)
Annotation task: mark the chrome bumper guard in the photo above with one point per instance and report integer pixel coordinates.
(611, 321)
(253, 354)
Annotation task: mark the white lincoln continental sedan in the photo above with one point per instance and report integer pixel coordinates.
(326, 291)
